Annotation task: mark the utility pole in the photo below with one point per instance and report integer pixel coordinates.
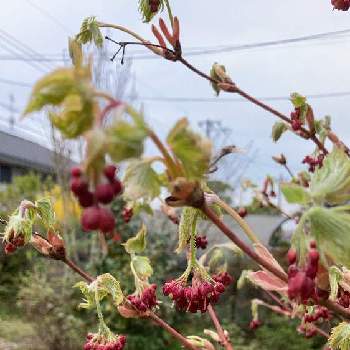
(11, 110)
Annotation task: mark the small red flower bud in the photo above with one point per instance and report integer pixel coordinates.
(104, 193)
(76, 172)
(10, 248)
(292, 256)
(107, 220)
(90, 219)
(242, 212)
(78, 186)
(110, 172)
(86, 199)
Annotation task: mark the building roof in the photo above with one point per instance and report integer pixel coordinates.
(20, 152)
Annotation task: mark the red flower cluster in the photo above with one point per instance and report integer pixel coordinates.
(154, 5)
(94, 216)
(201, 242)
(146, 301)
(313, 162)
(127, 214)
(342, 5)
(301, 282)
(255, 324)
(96, 342)
(13, 244)
(320, 313)
(296, 121)
(343, 298)
(196, 297)
(307, 331)
(223, 277)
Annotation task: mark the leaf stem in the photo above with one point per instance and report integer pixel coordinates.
(244, 225)
(78, 270)
(224, 340)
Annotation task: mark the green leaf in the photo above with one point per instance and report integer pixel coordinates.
(278, 129)
(75, 51)
(297, 100)
(335, 276)
(300, 241)
(340, 337)
(90, 32)
(146, 12)
(330, 228)
(141, 181)
(243, 278)
(125, 140)
(192, 150)
(331, 182)
(142, 267)
(295, 194)
(138, 243)
(108, 285)
(187, 227)
(45, 211)
(89, 295)
(95, 151)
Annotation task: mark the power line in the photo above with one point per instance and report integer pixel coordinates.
(15, 83)
(53, 18)
(238, 99)
(20, 46)
(140, 55)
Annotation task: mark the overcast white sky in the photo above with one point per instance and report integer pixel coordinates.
(309, 68)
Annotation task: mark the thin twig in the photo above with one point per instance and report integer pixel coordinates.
(77, 269)
(223, 339)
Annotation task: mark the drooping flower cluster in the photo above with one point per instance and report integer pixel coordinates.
(314, 161)
(95, 216)
(99, 342)
(223, 277)
(201, 242)
(147, 300)
(255, 324)
(307, 331)
(198, 295)
(342, 5)
(343, 298)
(301, 281)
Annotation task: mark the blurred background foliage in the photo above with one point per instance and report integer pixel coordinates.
(38, 306)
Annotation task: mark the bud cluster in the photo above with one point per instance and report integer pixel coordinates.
(320, 313)
(147, 300)
(127, 214)
(14, 243)
(95, 216)
(301, 281)
(342, 5)
(343, 298)
(313, 162)
(201, 242)
(296, 120)
(223, 277)
(154, 5)
(199, 295)
(98, 342)
(308, 332)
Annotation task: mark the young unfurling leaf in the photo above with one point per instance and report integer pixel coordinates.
(45, 211)
(149, 8)
(297, 100)
(90, 32)
(278, 129)
(142, 267)
(138, 243)
(141, 181)
(340, 337)
(192, 150)
(187, 227)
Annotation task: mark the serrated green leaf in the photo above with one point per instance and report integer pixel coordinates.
(141, 181)
(125, 140)
(335, 276)
(340, 337)
(192, 150)
(90, 32)
(297, 100)
(330, 228)
(277, 130)
(187, 227)
(89, 295)
(243, 278)
(295, 194)
(45, 211)
(137, 244)
(331, 182)
(142, 266)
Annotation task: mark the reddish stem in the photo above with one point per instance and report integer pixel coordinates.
(224, 340)
(246, 249)
(172, 331)
(78, 270)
